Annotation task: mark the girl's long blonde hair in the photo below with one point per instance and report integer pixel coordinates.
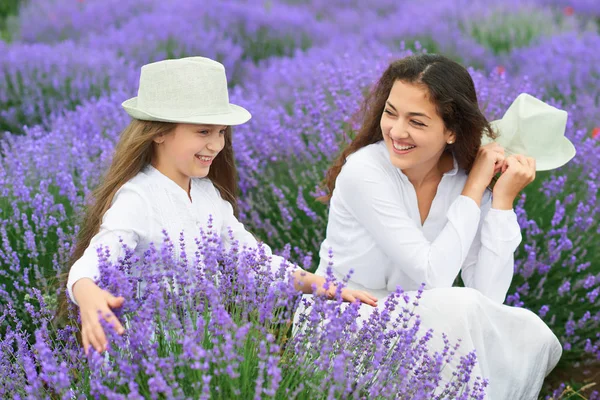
(133, 152)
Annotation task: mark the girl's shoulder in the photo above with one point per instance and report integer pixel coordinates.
(143, 188)
(142, 182)
(132, 198)
(136, 187)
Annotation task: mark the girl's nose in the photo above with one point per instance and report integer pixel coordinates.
(216, 143)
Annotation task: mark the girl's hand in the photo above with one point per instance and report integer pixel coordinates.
(488, 162)
(518, 171)
(92, 299)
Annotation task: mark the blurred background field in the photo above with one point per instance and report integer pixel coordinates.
(301, 67)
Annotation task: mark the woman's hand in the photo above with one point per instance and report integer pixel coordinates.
(351, 296)
(518, 171)
(488, 162)
(92, 299)
(304, 281)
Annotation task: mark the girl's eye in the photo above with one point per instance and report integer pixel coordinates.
(388, 112)
(203, 132)
(417, 123)
(222, 131)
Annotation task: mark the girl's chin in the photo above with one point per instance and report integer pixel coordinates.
(200, 172)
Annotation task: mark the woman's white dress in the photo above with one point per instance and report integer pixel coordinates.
(374, 229)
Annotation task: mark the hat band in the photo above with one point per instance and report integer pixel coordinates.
(188, 113)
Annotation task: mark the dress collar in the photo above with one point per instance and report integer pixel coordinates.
(166, 181)
(454, 169)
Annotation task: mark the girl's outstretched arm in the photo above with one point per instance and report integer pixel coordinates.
(124, 223)
(93, 303)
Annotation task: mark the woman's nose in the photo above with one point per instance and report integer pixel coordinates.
(398, 130)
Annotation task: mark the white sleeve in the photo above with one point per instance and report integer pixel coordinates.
(370, 197)
(489, 267)
(233, 227)
(128, 218)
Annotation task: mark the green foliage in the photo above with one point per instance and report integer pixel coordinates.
(564, 250)
(264, 44)
(8, 9)
(503, 31)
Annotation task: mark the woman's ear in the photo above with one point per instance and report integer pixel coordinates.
(451, 138)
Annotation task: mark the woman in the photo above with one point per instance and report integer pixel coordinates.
(410, 204)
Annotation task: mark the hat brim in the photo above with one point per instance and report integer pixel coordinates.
(563, 155)
(237, 116)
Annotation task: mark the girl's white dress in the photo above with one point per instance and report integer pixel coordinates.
(148, 204)
(374, 229)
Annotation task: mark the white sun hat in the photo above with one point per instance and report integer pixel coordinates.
(189, 90)
(534, 129)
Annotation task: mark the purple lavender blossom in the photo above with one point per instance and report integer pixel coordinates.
(39, 80)
(302, 69)
(188, 332)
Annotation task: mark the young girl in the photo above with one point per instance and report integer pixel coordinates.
(409, 204)
(173, 168)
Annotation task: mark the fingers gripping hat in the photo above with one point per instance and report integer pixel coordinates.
(534, 129)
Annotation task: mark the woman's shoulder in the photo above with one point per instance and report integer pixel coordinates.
(375, 152)
(367, 165)
(369, 158)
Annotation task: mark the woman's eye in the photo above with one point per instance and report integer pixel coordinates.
(417, 123)
(203, 132)
(388, 112)
(222, 131)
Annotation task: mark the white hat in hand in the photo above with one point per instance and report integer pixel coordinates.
(534, 129)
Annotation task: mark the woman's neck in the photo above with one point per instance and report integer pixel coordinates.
(425, 174)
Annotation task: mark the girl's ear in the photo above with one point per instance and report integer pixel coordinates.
(159, 139)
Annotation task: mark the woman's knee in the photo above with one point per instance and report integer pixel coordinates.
(453, 300)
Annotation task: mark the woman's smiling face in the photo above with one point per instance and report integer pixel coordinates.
(413, 131)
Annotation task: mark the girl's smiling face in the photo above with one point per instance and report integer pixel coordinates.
(188, 151)
(413, 131)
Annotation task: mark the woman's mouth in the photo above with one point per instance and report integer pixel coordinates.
(402, 148)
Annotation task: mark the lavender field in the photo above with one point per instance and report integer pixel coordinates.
(302, 68)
